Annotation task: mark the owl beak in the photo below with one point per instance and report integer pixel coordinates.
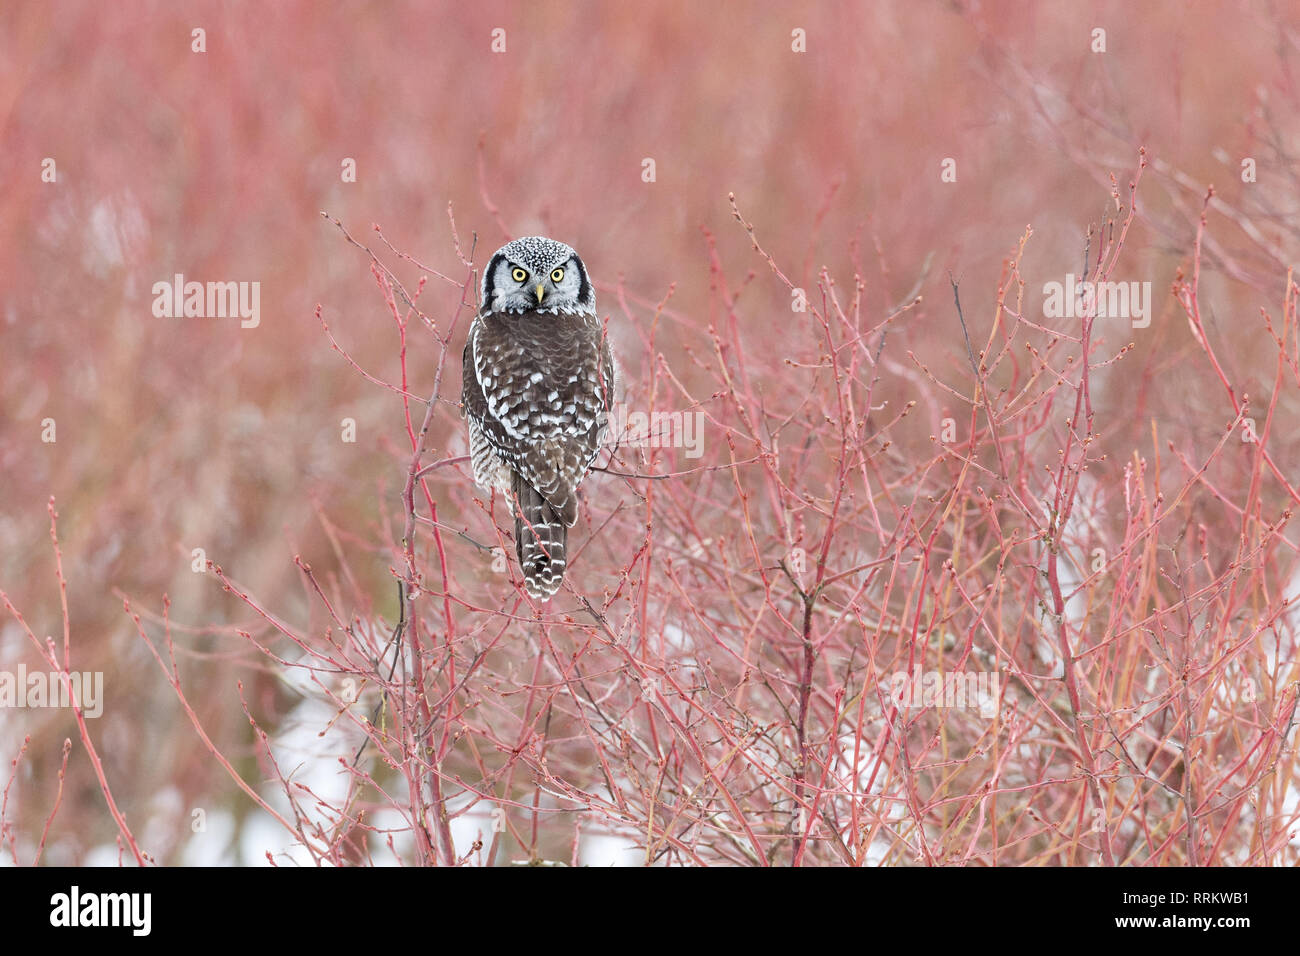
(541, 293)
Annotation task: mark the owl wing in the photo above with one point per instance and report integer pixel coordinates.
(539, 389)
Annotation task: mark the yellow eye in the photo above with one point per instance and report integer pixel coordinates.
(557, 275)
(518, 274)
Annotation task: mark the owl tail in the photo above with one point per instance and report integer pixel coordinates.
(540, 538)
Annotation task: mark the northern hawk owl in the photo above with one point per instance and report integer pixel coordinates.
(538, 386)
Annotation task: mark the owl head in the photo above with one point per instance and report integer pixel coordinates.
(537, 274)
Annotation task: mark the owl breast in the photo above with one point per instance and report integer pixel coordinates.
(538, 388)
